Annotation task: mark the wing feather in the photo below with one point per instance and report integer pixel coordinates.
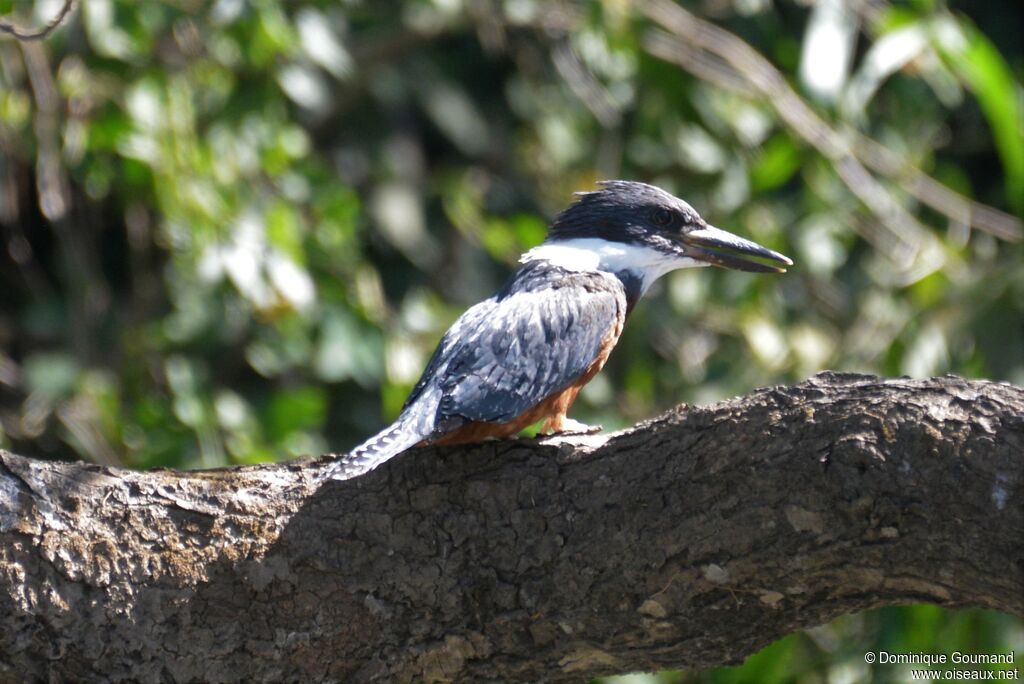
(524, 347)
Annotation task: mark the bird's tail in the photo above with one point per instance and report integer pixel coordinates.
(387, 444)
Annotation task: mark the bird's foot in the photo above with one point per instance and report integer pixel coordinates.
(574, 427)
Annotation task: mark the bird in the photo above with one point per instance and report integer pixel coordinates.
(524, 354)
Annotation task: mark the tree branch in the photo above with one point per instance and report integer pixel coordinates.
(20, 33)
(692, 540)
(717, 56)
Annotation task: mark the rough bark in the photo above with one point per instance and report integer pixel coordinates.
(692, 540)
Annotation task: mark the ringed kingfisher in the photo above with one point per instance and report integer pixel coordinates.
(524, 354)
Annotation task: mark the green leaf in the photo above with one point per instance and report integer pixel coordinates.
(52, 375)
(284, 230)
(778, 160)
(294, 410)
(978, 62)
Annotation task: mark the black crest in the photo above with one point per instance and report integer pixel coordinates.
(622, 211)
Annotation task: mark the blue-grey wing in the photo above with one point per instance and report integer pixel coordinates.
(523, 347)
(452, 340)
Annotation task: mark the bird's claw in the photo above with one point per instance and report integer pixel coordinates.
(575, 427)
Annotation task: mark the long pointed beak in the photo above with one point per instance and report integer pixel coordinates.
(707, 243)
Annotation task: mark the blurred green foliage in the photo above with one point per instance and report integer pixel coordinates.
(835, 653)
(234, 231)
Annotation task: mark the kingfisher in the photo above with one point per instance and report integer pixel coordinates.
(523, 355)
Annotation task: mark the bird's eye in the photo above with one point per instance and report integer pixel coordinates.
(661, 217)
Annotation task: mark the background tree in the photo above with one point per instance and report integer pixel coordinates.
(234, 231)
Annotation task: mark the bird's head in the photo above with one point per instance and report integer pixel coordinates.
(641, 229)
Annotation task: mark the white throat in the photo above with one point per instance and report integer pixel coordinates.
(594, 254)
